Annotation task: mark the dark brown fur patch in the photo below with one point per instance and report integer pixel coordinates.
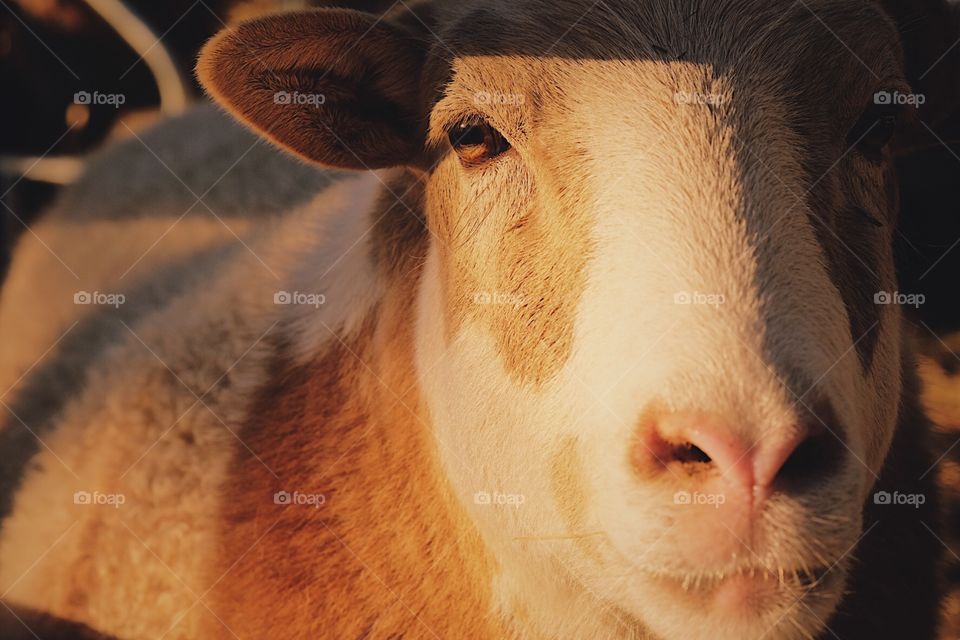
(841, 186)
(19, 623)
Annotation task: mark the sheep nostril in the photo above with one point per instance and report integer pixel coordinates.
(790, 459)
(814, 459)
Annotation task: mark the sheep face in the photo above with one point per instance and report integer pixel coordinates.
(652, 333)
(652, 330)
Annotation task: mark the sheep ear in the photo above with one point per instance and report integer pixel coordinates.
(334, 86)
(929, 30)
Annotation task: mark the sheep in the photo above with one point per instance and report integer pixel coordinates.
(588, 330)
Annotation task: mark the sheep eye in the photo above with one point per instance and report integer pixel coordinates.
(476, 142)
(875, 129)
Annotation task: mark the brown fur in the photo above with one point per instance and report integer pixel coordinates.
(358, 125)
(392, 552)
(527, 295)
(567, 475)
(539, 263)
(389, 554)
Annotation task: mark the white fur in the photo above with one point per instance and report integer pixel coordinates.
(660, 228)
(156, 423)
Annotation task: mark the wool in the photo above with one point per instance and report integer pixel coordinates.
(407, 402)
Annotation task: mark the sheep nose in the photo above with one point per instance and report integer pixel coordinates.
(706, 449)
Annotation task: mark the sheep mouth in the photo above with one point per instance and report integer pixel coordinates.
(750, 591)
(796, 578)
